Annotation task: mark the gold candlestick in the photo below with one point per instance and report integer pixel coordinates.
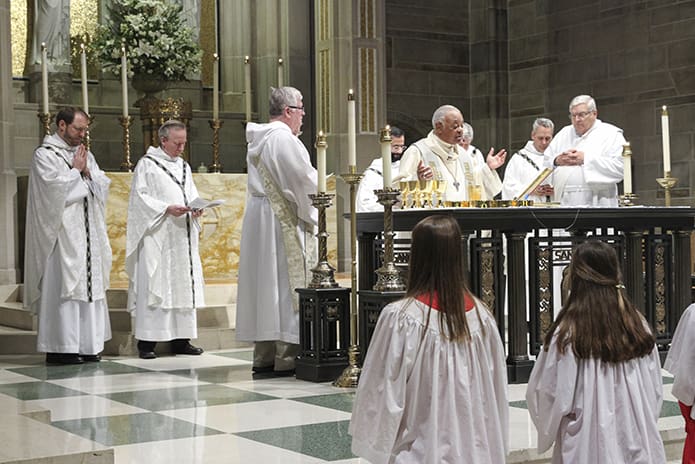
(388, 276)
(126, 121)
(351, 374)
(322, 273)
(45, 119)
(215, 124)
(667, 182)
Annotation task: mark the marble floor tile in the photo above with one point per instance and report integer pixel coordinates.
(197, 396)
(339, 401)
(211, 449)
(7, 376)
(46, 372)
(271, 414)
(244, 355)
(104, 384)
(289, 387)
(79, 407)
(36, 390)
(132, 428)
(329, 441)
(170, 363)
(218, 374)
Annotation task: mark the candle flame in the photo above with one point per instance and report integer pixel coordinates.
(216, 56)
(279, 60)
(43, 46)
(320, 133)
(82, 46)
(246, 59)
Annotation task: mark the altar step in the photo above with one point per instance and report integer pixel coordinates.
(215, 322)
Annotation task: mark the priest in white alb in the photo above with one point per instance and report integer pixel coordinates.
(162, 261)
(68, 257)
(586, 157)
(278, 246)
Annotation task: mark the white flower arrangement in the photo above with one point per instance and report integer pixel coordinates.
(157, 43)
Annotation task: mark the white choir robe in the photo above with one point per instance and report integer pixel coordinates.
(373, 180)
(681, 359)
(594, 182)
(265, 295)
(164, 288)
(519, 174)
(425, 399)
(55, 283)
(597, 412)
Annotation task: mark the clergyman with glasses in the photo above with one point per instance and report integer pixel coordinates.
(587, 158)
(373, 178)
(277, 236)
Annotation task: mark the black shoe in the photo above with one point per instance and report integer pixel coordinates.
(262, 370)
(64, 358)
(91, 358)
(286, 373)
(147, 355)
(187, 348)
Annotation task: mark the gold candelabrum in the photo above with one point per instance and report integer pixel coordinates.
(126, 121)
(351, 374)
(87, 141)
(388, 276)
(667, 183)
(215, 124)
(45, 119)
(323, 273)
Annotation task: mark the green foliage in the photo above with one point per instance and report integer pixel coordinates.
(157, 43)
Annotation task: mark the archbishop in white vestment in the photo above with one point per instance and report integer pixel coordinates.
(68, 256)
(423, 398)
(277, 240)
(587, 158)
(162, 259)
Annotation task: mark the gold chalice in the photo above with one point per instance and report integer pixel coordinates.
(414, 188)
(440, 189)
(426, 189)
(405, 190)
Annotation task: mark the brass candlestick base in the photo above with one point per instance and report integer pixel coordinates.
(126, 121)
(215, 125)
(351, 374)
(667, 182)
(45, 119)
(388, 276)
(628, 199)
(322, 273)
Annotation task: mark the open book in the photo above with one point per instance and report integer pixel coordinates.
(201, 203)
(533, 185)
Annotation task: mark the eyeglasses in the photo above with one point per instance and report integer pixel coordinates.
(398, 147)
(580, 116)
(300, 108)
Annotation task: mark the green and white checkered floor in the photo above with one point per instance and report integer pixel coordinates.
(204, 409)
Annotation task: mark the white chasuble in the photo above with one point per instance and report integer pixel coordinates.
(67, 251)
(162, 259)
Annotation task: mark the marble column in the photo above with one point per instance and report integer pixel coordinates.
(8, 178)
(235, 43)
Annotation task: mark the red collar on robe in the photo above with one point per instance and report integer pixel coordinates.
(434, 301)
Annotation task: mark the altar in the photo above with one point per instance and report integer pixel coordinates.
(654, 244)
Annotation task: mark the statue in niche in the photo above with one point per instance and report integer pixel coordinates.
(190, 9)
(52, 27)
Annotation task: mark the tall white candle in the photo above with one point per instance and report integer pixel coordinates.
(627, 168)
(216, 87)
(281, 76)
(85, 95)
(352, 151)
(386, 155)
(124, 81)
(666, 141)
(321, 161)
(44, 77)
(247, 86)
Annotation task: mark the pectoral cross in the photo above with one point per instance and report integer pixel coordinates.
(457, 184)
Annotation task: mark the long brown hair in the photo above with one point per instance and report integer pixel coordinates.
(598, 319)
(436, 268)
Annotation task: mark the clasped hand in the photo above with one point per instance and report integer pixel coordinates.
(180, 210)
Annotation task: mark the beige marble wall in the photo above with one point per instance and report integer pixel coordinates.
(221, 234)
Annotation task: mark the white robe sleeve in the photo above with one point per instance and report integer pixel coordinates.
(380, 400)
(550, 392)
(409, 163)
(513, 184)
(681, 359)
(604, 164)
(366, 198)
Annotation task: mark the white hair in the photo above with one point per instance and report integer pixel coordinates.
(441, 112)
(579, 99)
(467, 131)
(543, 122)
